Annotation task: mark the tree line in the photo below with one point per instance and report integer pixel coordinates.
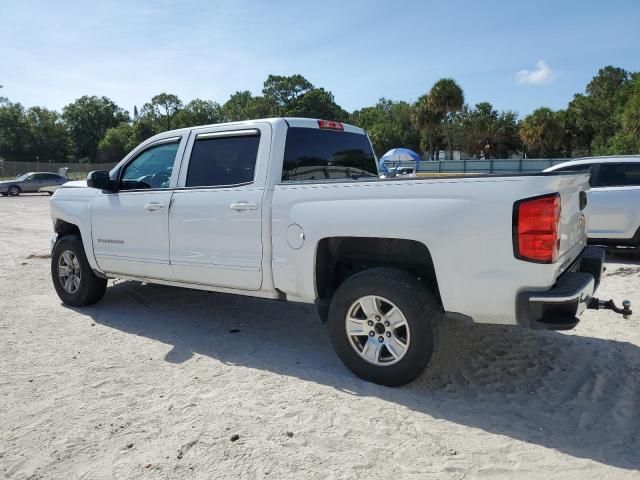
(605, 119)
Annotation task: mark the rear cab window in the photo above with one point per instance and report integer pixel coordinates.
(319, 154)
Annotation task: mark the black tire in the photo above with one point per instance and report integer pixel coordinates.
(13, 190)
(91, 288)
(418, 306)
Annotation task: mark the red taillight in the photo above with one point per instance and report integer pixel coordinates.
(536, 223)
(330, 125)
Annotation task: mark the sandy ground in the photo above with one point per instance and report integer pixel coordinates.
(151, 383)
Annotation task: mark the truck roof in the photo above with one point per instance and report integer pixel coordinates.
(290, 121)
(601, 159)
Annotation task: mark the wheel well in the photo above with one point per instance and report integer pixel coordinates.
(65, 228)
(338, 258)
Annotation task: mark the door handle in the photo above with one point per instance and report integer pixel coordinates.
(243, 206)
(153, 207)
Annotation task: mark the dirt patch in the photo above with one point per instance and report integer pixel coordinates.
(624, 272)
(39, 255)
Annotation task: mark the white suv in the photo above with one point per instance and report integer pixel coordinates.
(613, 207)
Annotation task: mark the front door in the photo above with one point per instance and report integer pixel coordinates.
(32, 183)
(130, 227)
(215, 221)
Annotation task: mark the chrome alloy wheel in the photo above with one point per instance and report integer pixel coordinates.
(377, 330)
(69, 271)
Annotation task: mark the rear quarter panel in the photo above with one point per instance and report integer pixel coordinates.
(466, 223)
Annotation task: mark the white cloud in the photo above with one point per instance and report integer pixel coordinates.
(541, 75)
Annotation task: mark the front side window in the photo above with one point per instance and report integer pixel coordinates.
(315, 154)
(151, 168)
(618, 175)
(221, 161)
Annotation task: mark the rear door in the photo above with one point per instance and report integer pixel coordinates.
(614, 200)
(52, 180)
(215, 221)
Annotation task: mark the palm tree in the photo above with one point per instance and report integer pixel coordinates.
(445, 98)
(542, 133)
(425, 119)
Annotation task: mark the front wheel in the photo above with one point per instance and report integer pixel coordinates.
(72, 276)
(383, 325)
(13, 191)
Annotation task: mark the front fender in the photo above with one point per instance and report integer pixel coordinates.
(74, 206)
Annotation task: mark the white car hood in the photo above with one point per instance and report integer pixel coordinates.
(74, 184)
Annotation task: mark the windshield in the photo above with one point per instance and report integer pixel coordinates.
(315, 154)
(22, 177)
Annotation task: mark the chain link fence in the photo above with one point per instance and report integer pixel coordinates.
(525, 165)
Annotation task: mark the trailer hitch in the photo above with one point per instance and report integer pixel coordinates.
(597, 304)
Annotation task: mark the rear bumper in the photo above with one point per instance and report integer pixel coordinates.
(559, 307)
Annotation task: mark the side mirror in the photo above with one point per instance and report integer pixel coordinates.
(100, 179)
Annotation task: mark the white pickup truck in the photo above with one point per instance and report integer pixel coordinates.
(293, 209)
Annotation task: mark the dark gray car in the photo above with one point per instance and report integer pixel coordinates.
(31, 182)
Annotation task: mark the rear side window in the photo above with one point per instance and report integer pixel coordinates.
(219, 161)
(618, 175)
(45, 176)
(315, 154)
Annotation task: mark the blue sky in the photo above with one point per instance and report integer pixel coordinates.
(516, 55)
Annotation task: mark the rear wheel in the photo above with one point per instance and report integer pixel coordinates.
(383, 325)
(13, 191)
(72, 276)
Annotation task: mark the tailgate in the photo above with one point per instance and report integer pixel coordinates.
(573, 189)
